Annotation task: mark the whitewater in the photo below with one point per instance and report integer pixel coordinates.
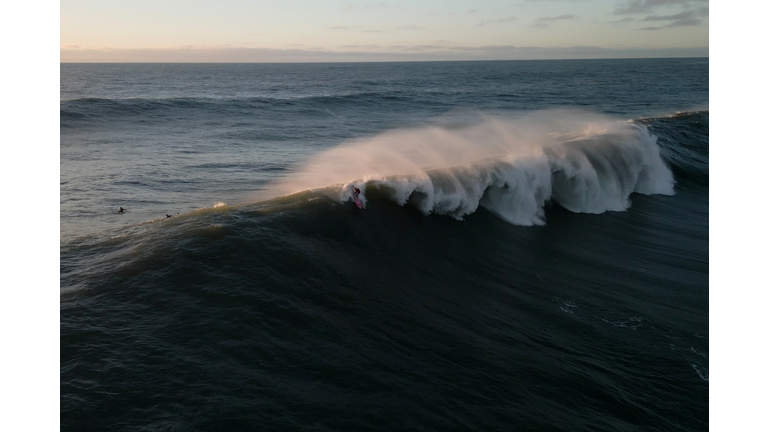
(586, 162)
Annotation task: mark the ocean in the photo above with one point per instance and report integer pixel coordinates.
(532, 251)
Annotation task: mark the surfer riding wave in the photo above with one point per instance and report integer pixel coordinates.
(354, 196)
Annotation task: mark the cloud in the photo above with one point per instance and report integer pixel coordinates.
(364, 47)
(425, 48)
(410, 27)
(353, 53)
(497, 21)
(557, 18)
(688, 17)
(472, 11)
(398, 48)
(628, 19)
(543, 22)
(683, 19)
(647, 6)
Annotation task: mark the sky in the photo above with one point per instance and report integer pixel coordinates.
(346, 30)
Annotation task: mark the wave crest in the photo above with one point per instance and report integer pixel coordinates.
(586, 162)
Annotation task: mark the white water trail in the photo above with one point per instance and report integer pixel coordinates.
(587, 162)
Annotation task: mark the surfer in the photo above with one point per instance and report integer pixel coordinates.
(355, 193)
(168, 216)
(122, 210)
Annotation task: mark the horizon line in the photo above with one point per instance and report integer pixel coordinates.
(384, 61)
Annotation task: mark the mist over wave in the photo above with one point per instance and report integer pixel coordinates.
(586, 162)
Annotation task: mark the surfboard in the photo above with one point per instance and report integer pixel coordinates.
(357, 201)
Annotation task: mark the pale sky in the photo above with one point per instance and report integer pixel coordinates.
(346, 30)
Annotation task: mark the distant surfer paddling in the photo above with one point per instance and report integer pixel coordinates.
(122, 210)
(354, 196)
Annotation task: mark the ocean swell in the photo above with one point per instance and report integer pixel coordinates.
(115, 108)
(684, 142)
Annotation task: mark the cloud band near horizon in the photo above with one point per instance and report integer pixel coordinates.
(363, 54)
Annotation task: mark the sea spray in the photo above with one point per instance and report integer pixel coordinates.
(586, 162)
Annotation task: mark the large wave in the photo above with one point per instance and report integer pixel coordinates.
(684, 142)
(586, 162)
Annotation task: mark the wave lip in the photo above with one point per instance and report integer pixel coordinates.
(586, 162)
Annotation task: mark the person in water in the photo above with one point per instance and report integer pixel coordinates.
(356, 192)
(122, 210)
(168, 216)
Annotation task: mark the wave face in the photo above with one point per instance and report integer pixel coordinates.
(684, 142)
(249, 306)
(587, 163)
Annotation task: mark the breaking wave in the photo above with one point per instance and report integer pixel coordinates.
(586, 162)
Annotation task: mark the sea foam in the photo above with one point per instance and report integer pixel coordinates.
(586, 162)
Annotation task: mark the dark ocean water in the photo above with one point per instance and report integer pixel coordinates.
(532, 253)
